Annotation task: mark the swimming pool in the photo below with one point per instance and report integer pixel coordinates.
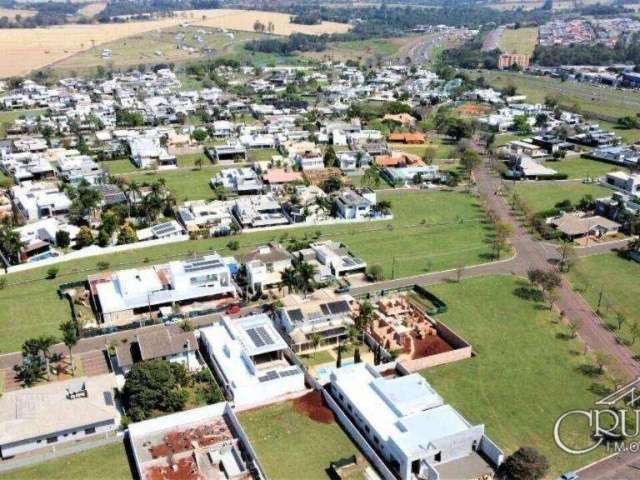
(44, 256)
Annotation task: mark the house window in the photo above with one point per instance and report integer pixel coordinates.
(52, 439)
(367, 429)
(89, 431)
(376, 440)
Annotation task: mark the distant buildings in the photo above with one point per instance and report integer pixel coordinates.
(508, 60)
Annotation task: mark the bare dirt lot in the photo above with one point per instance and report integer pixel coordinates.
(23, 50)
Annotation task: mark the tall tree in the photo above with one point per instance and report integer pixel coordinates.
(70, 339)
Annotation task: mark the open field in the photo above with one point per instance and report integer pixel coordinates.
(102, 463)
(516, 4)
(521, 40)
(582, 167)
(403, 246)
(525, 371)
(617, 279)
(11, 13)
(21, 51)
(589, 98)
(292, 446)
(360, 50)
(154, 47)
(544, 196)
(92, 9)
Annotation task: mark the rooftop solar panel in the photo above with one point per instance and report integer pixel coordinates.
(296, 315)
(264, 335)
(255, 338)
(288, 373)
(339, 307)
(325, 309)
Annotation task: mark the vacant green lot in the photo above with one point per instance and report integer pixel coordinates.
(316, 358)
(544, 196)
(103, 463)
(617, 279)
(524, 374)
(588, 98)
(404, 245)
(291, 445)
(581, 167)
(521, 40)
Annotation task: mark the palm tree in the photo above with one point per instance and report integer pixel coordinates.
(70, 339)
(315, 341)
(40, 345)
(289, 279)
(364, 317)
(305, 273)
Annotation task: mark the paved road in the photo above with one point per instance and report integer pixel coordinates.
(535, 254)
(625, 466)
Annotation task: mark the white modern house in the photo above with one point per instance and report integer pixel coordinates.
(355, 204)
(408, 424)
(335, 256)
(35, 201)
(118, 297)
(322, 313)
(146, 152)
(249, 360)
(242, 181)
(57, 412)
(259, 211)
(265, 265)
(629, 184)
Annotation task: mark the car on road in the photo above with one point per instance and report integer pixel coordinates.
(232, 309)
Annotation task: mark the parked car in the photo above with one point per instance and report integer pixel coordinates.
(232, 309)
(568, 476)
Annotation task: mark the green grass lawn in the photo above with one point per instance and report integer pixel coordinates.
(582, 167)
(588, 98)
(521, 40)
(504, 138)
(617, 279)
(523, 375)
(544, 196)
(185, 183)
(102, 463)
(316, 358)
(403, 244)
(291, 446)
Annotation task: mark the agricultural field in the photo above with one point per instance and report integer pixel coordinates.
(521, 40)
(544, 196)
(431, 231)
(486, 389)
(157, 46)
(290, 445)
(588, 98)
(578, 168)
(21, 51)
(102, 463)
(616, 279)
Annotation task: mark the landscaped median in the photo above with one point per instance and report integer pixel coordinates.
(526, 372)
(431, 231)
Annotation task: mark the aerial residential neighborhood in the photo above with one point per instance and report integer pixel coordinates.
(299, 240)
